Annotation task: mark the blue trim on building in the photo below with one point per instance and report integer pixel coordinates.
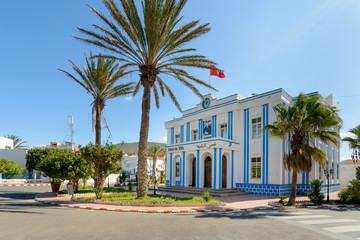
(182, 133)
(247, 147)
(172, 135)
(220, 168)
(214, 126)
(282, 162)
(183, 170)
(200, 129)
(267, 144)
(246, 130)
(280, 90)
(197, 168)
(211, 140)
(307, 177)
(171, 167)
(263, 148)
(265, 189)
(232, 168)
(281, 189)
(230, 125)
(188, 132)
(214, 169)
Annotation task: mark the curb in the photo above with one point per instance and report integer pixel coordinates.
(158, 211)
(197, 210)
(25, 185)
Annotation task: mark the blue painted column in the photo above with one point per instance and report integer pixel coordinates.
(265, 167)
(246, 145)
(230, 125)
(220, 166)
(171, 167)
(183, 170)
(232, 169)
(182, 133)
(200, 129)
(172, 136)
(188, 132)
(282, 163)
(214, 126)
(197, 168)
(214, 182)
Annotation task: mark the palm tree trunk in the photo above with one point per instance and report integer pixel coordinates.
(143, 143)
(97, 124)
(154, 175)
(293, 189)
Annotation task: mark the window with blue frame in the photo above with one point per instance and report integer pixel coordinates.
(255, 167)
(177, 138)
(223, 130)
(256, 128)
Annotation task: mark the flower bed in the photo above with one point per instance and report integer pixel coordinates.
(129, 199)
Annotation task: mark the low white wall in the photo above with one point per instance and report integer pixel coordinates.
(15, 155)
(347, 173)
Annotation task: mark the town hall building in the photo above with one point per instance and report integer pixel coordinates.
(220, 144)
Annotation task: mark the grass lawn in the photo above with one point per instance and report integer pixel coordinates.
(91, 190)
(130, 197)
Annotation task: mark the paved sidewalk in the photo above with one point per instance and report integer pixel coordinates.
(234, 203)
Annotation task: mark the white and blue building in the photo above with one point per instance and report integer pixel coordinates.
(220, 143)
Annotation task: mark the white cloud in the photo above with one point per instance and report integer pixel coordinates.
(164, 138)
(128, 98)
(346, 134)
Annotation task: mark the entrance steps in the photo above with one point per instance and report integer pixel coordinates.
(226, 192)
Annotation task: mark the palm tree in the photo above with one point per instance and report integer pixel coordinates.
(156, 151)
(354, 142)
(99, 79)
(307, 120)
(18, 142)
(154, 45)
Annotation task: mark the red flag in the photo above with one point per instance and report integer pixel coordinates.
(216, 72)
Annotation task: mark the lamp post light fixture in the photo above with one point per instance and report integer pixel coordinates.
(327, 172)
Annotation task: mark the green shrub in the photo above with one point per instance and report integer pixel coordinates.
(281, 200)
(358, 173)
(206, 196)
(344, 195)
(130, 187)
(355, 198)
(316, 196)
(354, 186)
(56, 180)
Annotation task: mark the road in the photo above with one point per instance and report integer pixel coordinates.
(23, 218)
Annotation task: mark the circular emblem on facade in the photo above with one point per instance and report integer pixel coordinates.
(206, 103)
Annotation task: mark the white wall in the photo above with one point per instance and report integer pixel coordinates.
(6, 143)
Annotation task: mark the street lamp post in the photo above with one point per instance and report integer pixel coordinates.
(328, 171)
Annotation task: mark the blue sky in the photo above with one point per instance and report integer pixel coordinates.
(300, 46)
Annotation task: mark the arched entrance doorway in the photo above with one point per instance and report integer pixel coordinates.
(193, 173)
(223, 171)
(207, 172)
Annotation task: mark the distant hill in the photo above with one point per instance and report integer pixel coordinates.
(133, 147)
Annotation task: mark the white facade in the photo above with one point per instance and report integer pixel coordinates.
(6, 143)
(220, 144)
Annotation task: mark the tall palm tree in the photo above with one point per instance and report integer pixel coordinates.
(155, 151)
(354, 142)
(152, 43)
(99, 80)
(307, 120)
(18, 142)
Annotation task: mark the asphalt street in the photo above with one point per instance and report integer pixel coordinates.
(23, 218)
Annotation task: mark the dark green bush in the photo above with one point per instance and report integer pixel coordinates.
(316, 196)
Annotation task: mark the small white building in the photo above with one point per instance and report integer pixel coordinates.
(220, 144)
(6, 143)
(130, 163)
(348, 172)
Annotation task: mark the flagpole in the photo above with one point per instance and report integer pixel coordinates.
(209, 83)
